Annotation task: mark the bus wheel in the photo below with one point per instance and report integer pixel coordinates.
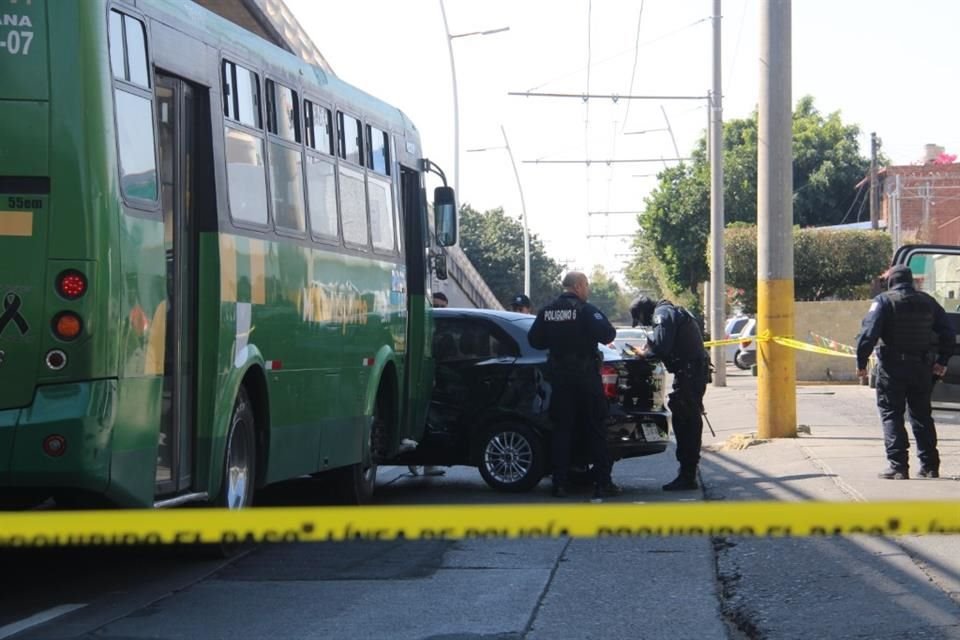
(236, 490)
(355, 484)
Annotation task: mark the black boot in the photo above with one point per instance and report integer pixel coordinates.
(606, 490)
(559, 489)
(894, 473)
(686, 480)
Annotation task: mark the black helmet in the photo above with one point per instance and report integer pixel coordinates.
(899, 274)
(641, 310)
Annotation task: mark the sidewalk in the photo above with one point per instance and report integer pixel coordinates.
(836, 455)
(856, 586)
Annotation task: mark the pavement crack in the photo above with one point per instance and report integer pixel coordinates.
(546, 588)
(735, 613)
(825, 469)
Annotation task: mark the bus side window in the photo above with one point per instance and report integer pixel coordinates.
(286, 158)
(380, 195)
(321, 172)
(246, 162)
(353, 196)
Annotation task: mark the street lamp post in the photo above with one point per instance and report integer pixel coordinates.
(456, 102)
(523, 209)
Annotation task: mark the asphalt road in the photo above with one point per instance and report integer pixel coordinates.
(729, 588)
(415, 589)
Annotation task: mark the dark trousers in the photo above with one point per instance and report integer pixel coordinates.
(686, 405)
(578, 408)
(907, 385)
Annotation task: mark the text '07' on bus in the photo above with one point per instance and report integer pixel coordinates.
(214, 263)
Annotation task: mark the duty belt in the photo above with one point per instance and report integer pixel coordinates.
(919, 356)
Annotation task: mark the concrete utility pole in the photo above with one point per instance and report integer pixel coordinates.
(874, 206)
(717, 295)
(777, 382)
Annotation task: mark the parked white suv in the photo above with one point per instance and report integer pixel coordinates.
(746, 353)
(732, 329)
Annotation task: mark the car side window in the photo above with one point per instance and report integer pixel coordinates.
(466, 340)
(735, 325)
(444, 344)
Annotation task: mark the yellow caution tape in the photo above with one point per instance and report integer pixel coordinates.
(786, 342)
(806, 346)
(455, 522)
(720, 343)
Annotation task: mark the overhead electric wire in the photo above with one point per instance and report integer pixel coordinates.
(633, 72)
(586, 106)
(860, 211)
(736, 48)
(850, 208)
(619, 53)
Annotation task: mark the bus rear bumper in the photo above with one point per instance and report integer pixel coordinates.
(61, 442)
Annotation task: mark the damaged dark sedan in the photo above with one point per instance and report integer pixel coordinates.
(491, 399)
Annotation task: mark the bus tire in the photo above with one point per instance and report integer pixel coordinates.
(355, 484)
(239, 460)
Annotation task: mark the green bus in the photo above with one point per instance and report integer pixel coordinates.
(214, 262)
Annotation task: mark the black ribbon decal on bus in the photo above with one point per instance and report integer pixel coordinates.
(11, 311)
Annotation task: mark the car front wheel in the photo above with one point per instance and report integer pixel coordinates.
(512, 457)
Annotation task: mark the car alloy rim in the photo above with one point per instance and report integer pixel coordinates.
(508, 457)
(238, 470)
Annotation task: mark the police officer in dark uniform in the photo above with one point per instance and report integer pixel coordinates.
(905, 320)
(571, 328)
(678, 342)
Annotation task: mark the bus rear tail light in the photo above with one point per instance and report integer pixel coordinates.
(71, 284)
(67, 325)
(609, 377)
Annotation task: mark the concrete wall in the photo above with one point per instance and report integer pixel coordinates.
(838, 320)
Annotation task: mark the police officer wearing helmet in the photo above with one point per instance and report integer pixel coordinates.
(905, 321)
(678, 342)
(570, 328)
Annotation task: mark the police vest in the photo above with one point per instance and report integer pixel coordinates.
(909, 329)
(688, 341)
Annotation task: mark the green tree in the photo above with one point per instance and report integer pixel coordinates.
(494, 243)
(643, 274)
(675, 222)
(607, 295)
(827, 264)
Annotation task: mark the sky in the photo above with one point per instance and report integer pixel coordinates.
(889, 67)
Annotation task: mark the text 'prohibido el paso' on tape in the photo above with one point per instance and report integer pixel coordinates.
(464, 522)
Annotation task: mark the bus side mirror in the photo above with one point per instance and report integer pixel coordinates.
(445, 216)
(440, 266)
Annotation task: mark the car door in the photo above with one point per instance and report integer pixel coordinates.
(474, 358)
(936, 270)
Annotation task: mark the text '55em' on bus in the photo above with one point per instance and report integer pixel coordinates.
(214, 261)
